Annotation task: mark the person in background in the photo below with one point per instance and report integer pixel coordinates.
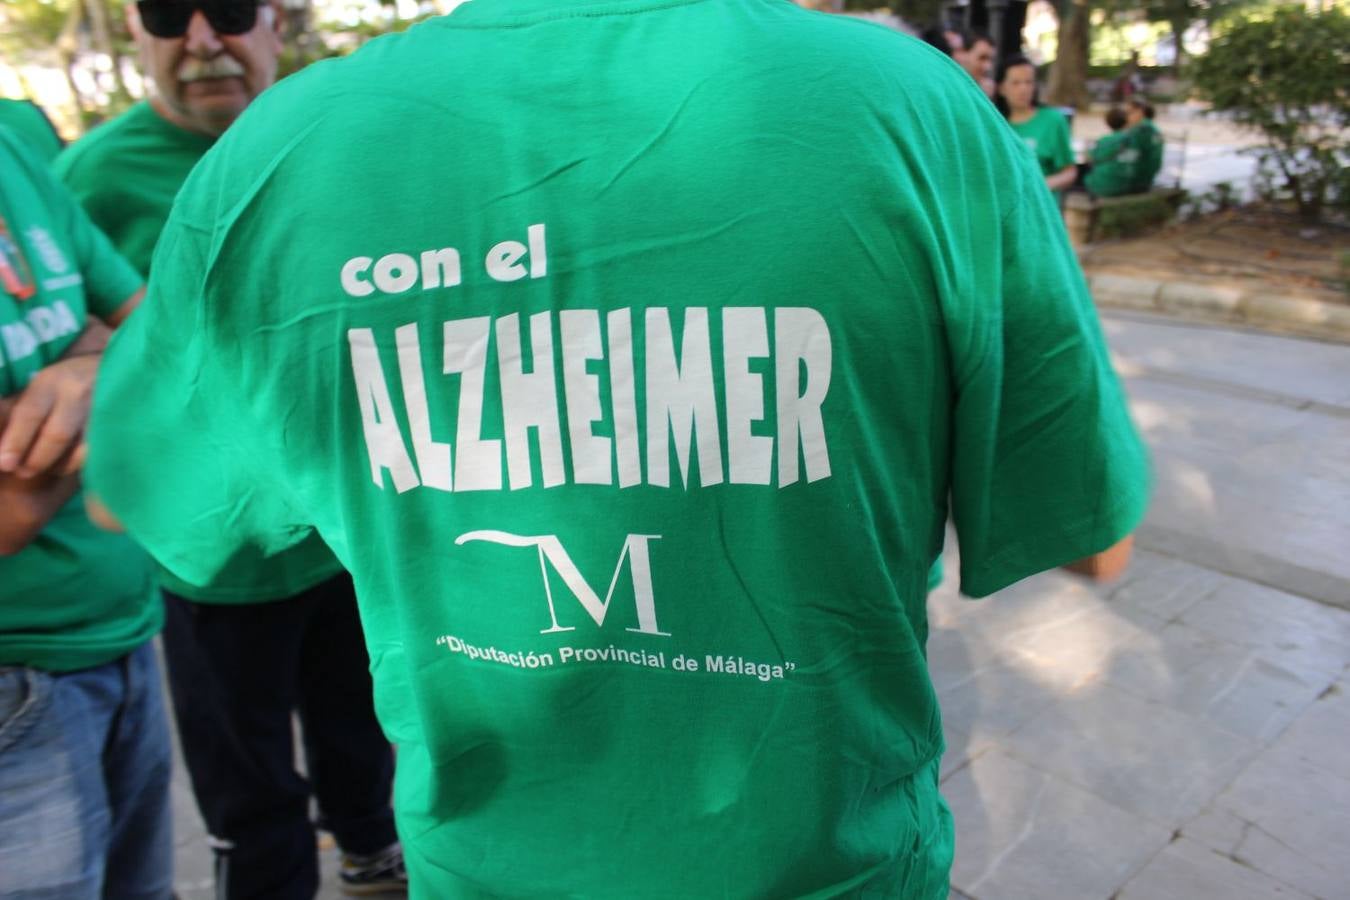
(971, 50)
(1147, 140)
(1043, 129)
(1129, 84)
(30, 124)
(84, 742)
(272, 635)
(1113, 169)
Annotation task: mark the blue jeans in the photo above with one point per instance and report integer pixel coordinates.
(84, 783)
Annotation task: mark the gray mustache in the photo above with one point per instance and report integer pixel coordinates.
(219, 67)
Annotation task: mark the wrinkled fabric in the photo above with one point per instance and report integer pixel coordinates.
(75, 596)
(627, 354)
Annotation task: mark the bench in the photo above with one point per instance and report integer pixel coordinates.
(1090, 218)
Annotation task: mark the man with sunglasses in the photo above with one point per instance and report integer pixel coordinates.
(271, 635)
(207, 61)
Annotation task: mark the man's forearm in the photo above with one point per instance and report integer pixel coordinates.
(94, 339)
(28, 504)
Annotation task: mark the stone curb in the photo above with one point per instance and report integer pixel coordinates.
(1215, 303)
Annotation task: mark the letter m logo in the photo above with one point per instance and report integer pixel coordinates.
(551, 553)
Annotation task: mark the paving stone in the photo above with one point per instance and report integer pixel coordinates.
(1188, 870)
(1304, 369)
(1161, 586)
(1142, 756)
(1184, 297)
(997, 702)
(962, 747)
(1241, 483)
(1064, 653)
(1021, 833)
(1301, 314)
(1028, 604)
(1205, 676)
(1109, 289)
(1284, 629)
(1218, 829)
(1286, 818)
(1321, 736)
(957, 655)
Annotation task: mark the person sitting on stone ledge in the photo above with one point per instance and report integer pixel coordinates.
(1113, 169)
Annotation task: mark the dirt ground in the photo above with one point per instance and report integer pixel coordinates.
(1252, 247)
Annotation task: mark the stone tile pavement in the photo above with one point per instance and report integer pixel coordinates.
(1170, 736)
(1183, 734)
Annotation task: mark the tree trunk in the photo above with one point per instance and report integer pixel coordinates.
(67, 46)
(101, 31)
(1179, 27)
(1068, 76)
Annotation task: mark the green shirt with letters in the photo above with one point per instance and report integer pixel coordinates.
(126, 174)
(76, 596)
(635, 424)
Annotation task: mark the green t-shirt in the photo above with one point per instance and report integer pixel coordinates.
(126, 174)
(1148, 141)
(76, 596)
(31, 125)
(1115, 166)
(634, 423)
(1046, 133)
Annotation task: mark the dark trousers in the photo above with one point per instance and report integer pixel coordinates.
(236, 675)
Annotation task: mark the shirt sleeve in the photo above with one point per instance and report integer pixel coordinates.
(1047, 467)
(109, 280)
(171, 441)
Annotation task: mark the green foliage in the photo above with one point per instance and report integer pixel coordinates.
(1218, 198)
(1286, 73)
(1136, 214)
(28, 25)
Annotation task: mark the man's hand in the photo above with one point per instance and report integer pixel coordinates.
(100, 515)
(27, 505)
(45, 427)
(1107, 565)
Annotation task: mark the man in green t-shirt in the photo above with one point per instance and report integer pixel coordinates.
(270, 635)
(84, 744)
(636, 426)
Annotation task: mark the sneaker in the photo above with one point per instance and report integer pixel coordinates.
(373, 874)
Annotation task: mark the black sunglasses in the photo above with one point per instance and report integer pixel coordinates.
(170, 18)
